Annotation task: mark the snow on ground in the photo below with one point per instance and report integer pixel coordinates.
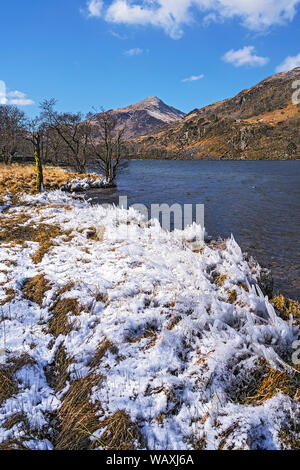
(182, 348)
(5, 202)
(84, 184)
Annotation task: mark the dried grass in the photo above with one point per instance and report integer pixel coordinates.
(17, 418)
(287, 307)
(273, 382)
(175, 319)
(60, 324)
(220, 279)
(200, 444)
(36, 288)
(19, 179)
(265, 383)
(226, 434)
(15, 229)
(57, 373)
(14, 444)
(8, 384)
(243, 286)
(100, 233)
(45, 238)
(149, 333)
(232, 296)
(101, 350)
(121, 433)
(10, 295)
(77, 414)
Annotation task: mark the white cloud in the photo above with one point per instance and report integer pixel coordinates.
(122, 37)
(193, 78)
(289, 63)
(3, 99)
(135, 51)
(245, 56)
(94, 8)
(173, 15)
(17, 98)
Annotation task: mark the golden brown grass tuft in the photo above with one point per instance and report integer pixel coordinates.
(19, 179)
(232, 296)
(121, 433)
(15, 229)
(286, 308)
(36, 288)
(265, 383)
(200, 444)
(66, 288)
(57, 373)
(10, 295)
(60, 323)
(220, 279)
(149, 333)
(101, 350)
(77, 414)
(243, 286)
(8, 384)
(45, 238)
(273, 382)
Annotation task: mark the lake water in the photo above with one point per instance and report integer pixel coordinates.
(257, 201)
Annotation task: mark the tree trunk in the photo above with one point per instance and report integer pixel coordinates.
(39, 166)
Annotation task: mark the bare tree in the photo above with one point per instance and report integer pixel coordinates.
(12, 124)
(107, 143)
(35, 134)
(74, 131)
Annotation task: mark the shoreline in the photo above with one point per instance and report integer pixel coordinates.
(57, 176)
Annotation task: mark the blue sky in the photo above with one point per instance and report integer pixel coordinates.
(112, 53)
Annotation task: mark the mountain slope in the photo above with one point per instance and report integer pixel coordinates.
(261, 122)
(146, 116)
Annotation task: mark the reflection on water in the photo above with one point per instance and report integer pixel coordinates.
(257, 201)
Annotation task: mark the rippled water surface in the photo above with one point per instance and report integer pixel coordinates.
(257, 201)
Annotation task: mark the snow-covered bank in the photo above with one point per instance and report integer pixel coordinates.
(174, 344)
(84, 184)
